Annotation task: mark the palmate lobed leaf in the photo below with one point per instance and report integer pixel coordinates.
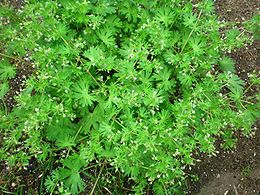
(235, 83)
(66, 142)
(82, 94)
(72, 180)
(51, 181)
(106, 35)
(71, 174)
(94, 54)
(59, 129)
(197, 45)
(190, 20)
(7, 71)
(166, 16)
(227, 65)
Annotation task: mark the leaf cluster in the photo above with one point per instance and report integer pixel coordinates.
(131, 86)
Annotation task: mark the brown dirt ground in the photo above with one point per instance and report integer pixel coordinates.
(238, 171)
(23, 71)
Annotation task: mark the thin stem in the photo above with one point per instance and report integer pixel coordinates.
(91, 166)
(240, 34)
(191, 31)
(124, 188)
(251, 84)
(165, 189)
(17, 59)
(77, 133)
(115, 120)
(65, 41)
(247, 102)
(5, 107)
(93, 78)
(206, 96)
(7, 56)
(107, 190)
(83, 138)
(235, 189)
(93, 189)
(242, 105)
(74, 140)
(5, 191)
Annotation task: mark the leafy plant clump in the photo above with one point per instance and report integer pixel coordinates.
(138, 88)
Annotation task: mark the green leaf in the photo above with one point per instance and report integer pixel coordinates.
(51, 181)
(254, 26)
(4, 88)
(129, 9)
(158, 188)
(7, 71)
(95, 55)
(81, 93)
(197, 45)
(190, 20)
(254, 78)
(60, 131)
(71, 174)
(67, 142)
(165, 15)
(227, 65)
(61, 30)
(233, 34)
(93, 119)
(236, 95)
(106, 35)
(229, 140)
(235, 83)
(186, 79)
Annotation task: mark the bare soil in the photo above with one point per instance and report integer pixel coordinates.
(23, 70)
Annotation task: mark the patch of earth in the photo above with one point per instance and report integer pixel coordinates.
(24, 69)
(15, 3)
(236, 10)
(230, 172)
(10, 180)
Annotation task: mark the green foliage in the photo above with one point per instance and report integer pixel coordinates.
(71, 173)
(125, 86)
(247, 171)
(253, 26)
(81, 93)
(227, 64)
(254, 78)
(7, 71)
(4, 88)
(235, 83)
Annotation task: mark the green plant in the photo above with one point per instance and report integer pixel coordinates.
(247, 171)
(3, 89)
(7, 71)
(124, 86)
(253, 25)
